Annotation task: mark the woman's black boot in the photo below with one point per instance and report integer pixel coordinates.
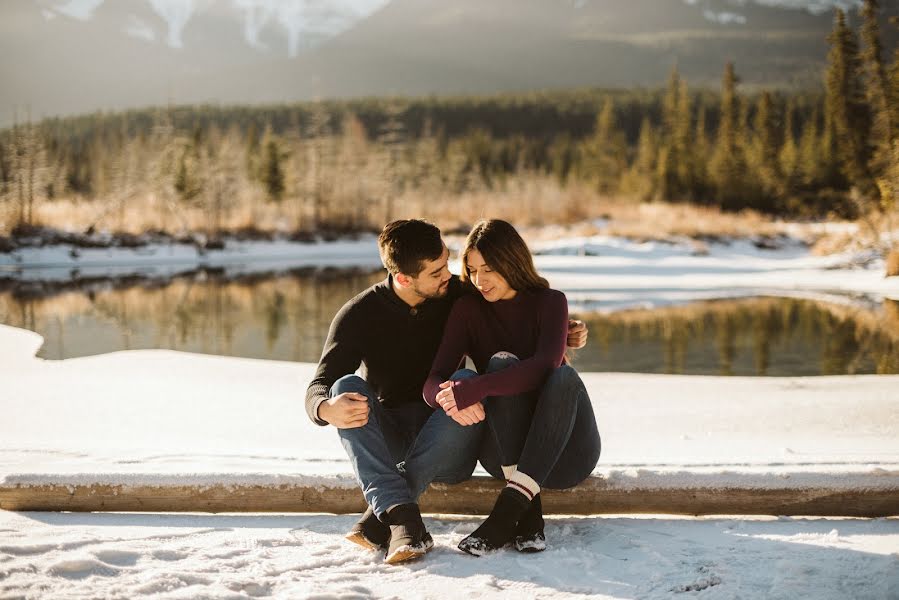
(499, 528)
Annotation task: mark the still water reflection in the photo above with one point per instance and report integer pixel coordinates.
(286, 317)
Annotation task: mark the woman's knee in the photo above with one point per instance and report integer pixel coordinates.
(500, 361)
(564, 382)
(462, 374)
(565, 375)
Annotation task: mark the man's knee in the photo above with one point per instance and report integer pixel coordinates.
(351, 383)
(500, 361)
(459, 448)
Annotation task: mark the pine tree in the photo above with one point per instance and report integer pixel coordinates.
(700, 156)
(846, 107)
(788, 156)
(893, 81)
(670, 109)
(685, 165)
(604, 152)
(877, 88)
(728, 166)
(641, 177)
(667, 180)
(812, 153)
(764, 150)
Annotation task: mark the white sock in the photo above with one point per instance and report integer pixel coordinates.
(508, 470)
(522, 482)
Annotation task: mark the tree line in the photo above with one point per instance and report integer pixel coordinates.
(354, 164)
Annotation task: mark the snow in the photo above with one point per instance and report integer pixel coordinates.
(126, 555)
(597, 273)
(158, 417)
(152, 413)
(61, 262)
(608, 273)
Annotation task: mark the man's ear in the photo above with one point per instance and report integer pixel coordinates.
(403, 279)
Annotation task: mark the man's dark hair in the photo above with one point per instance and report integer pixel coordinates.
(406, 244)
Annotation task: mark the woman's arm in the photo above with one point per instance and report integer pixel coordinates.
(452, 350)
(531, 372)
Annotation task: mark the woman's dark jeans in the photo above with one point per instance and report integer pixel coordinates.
(549, 433)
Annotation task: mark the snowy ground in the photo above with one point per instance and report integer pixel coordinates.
(155, 416)
(160, 412)
(59, 555)
(150, 416)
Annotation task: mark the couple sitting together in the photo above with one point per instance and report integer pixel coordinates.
(416, 416)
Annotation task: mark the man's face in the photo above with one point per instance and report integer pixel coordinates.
(433, 280)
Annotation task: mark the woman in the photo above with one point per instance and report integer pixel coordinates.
(541, 420)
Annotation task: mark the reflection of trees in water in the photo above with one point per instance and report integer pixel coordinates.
(776, 331)
(283, 317)
(287, 317)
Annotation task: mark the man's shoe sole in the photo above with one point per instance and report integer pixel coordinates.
(407, 553)
(357, 537)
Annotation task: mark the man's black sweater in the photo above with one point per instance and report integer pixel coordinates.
(394, 342)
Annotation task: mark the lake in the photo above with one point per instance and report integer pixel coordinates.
(285, 316)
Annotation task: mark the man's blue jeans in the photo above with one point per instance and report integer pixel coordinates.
(402, 450)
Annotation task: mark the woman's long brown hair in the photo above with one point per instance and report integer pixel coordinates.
(506, 252)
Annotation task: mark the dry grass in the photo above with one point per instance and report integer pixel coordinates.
(531, 202)
(893, 263)
(149, 213)
(645, 221)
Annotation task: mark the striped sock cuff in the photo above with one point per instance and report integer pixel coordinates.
(508, 470)
(523, 483)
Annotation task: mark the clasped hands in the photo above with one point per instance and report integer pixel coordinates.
(466, 416)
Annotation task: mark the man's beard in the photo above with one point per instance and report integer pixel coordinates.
(438, 293)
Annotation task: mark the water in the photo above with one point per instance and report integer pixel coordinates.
(286, 317)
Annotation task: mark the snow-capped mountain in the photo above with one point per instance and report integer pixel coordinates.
(74, 56)
(303, 23)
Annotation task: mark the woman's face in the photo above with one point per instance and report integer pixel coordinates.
(490, 283)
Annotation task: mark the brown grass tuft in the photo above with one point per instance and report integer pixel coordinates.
(893, 263)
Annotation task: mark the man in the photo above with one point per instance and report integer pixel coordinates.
(396, 443)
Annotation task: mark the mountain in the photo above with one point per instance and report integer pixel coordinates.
(84, 55)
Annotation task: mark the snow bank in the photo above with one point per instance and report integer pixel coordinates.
(57, 263)
(151, 415)
(597, 273)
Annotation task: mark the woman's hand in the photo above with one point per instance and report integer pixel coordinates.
(467, 416)
(445, 398)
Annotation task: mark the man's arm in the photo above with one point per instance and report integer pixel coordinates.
(341, 356)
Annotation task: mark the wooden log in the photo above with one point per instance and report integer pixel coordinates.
(594, 496)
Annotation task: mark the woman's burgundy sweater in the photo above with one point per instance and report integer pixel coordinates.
(533, 326)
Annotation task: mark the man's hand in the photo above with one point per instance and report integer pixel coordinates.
(345, 411)
(577, 334)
